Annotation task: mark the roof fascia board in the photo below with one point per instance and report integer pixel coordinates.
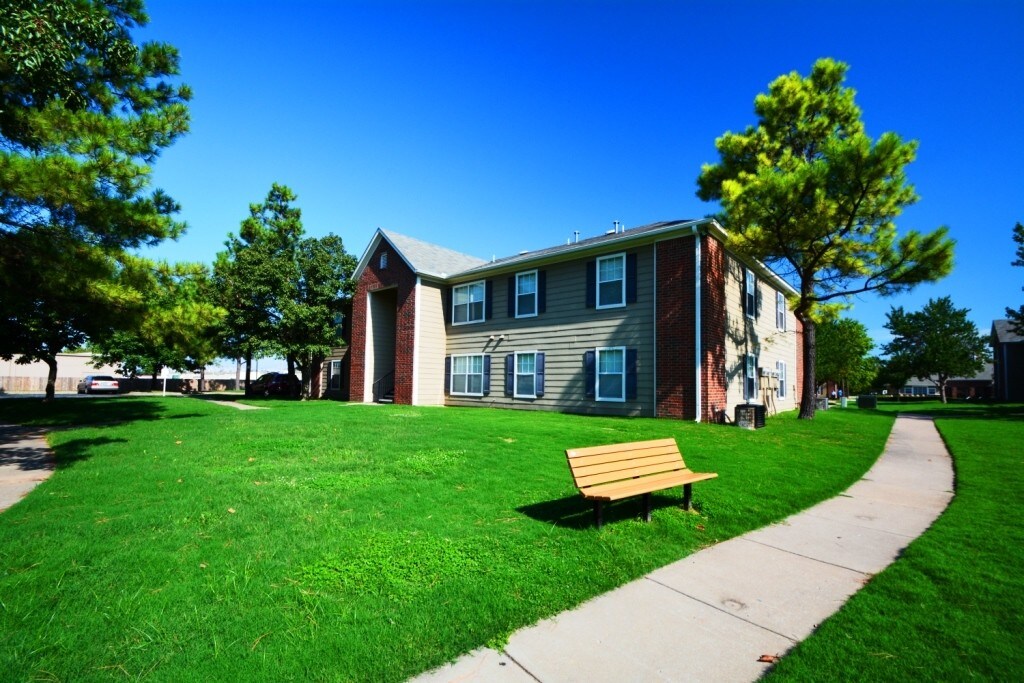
(374, 243)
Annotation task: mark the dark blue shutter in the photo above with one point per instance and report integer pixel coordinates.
(757, 300)
(447, 305)
(488, 299)
(591, 284)
(447, 375)
(589, 373)
(487, 375)
(631, 278)
(512, 297)
(631, 374)
(542, 290)
(539, 381)
(510, 376)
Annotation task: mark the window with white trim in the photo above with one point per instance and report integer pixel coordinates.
(611, 281)
(780, 311)
(467, 375)
(611, 374)
(750, 293)
(526, 294)
(750, 377)
(468, 303)
(526, 375)
(384, 260)
(780, 367)
(334, 377)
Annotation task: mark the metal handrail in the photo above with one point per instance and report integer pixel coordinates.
(384, 386)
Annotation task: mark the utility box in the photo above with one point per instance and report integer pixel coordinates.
(821, 403)
(750, 416)
(867, 401)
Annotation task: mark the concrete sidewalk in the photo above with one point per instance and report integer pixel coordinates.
(710, 616)
(25, 460)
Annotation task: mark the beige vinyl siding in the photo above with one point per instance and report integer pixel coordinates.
(759, 336)
(430, 343)
(563, 333)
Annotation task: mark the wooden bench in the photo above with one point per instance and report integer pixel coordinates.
(607, 473)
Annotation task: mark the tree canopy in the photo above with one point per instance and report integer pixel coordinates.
(937, 343)
(84, 111)
(1016, 317)
(843, 347)
(810, 194)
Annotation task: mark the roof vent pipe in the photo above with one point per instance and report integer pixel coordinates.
(576, 234)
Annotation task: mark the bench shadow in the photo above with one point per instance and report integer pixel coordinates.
(575, 512)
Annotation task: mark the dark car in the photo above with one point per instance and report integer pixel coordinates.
(277, 384)
(94, 384)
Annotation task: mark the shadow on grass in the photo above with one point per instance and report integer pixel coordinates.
(574, 512)
(71, 452)
(79, 412)
(960, 410)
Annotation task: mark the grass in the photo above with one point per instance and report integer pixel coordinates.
(180, 540)
(952, 607)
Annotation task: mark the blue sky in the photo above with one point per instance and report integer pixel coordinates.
(493, 127)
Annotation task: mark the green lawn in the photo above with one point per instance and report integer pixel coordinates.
(952, 607)
(181, 540)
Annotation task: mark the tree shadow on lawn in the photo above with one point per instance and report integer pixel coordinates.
(963, 410)
(69, 412)
(575, 512)
(71, 452)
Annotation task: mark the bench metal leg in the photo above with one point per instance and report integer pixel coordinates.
(597, 513)
(687, 495)
(647, 507)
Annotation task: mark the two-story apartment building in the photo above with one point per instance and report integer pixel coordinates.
(660, 320)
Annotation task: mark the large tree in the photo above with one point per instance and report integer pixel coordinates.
(282, 289)
(936, 343)
(809, 193)
(84, 111)
(843, 346)
(1016, 317)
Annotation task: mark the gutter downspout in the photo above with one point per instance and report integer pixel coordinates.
(697, 317)
(654, 248)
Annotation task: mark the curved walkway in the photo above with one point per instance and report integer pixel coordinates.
(25, 460)
(712, 615)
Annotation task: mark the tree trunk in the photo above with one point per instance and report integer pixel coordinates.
(155, 377)
(942, 388)
(316, 369)
(810, 353)
(291, 364)
(51, 377)
(238, 373)
(248, 373)
(202, 379)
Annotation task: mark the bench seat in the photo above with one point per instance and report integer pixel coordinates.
(608, 473)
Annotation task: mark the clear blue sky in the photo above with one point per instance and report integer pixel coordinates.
(493, 127)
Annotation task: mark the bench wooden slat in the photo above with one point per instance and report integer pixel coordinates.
(618, 456)
(616, 471)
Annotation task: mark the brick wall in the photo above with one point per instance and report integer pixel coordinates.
(675, 393)
(714, 388)
(399, 275)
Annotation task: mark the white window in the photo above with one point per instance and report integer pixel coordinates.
(467, 375)
(468, 303)
(780, 366)
(750, 293)
(334, 379)
(526, 294)
(750, 377)
(526, 375)
(780, 311)
(611, 374)
(611, 281)
(384, 260)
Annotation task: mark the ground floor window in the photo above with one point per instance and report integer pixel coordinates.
(780, 367)
(750, 377)
(526, 375)
(334, 376)
(611, 374)
(467, 375)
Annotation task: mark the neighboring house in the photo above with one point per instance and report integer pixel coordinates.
(659, 320)
(978, 386)
(1008, 361)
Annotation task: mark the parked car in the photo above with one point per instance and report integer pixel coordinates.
(277, 384)
(94, 384)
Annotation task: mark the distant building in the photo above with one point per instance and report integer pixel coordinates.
(977, 386)
(1008, 357)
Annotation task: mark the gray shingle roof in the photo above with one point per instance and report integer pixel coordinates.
(429, 259)
(1003, 332)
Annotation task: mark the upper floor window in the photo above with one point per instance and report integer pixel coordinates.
(468, 303)
(750, 293)
(611, 281)
(383, 260)
(780, 311)
(526, 294)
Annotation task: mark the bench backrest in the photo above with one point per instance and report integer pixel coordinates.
(604, 464)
